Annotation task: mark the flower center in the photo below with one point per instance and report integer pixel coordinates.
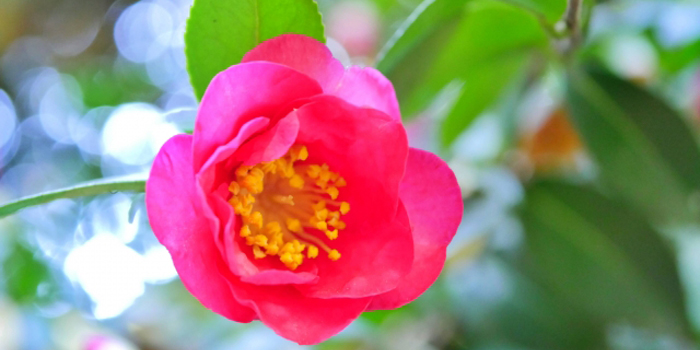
(286, 204)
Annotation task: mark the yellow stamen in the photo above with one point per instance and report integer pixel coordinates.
(293, 225)
(259, 254)
(288, 208)
(272, 249)
(344, 208)
(332, 234)
(333, 192)
(312, 252)
(296, 181)
(234, 187)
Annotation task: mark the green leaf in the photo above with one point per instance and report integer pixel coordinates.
(24, 274)
(91, 188)
(482, 88)
(418, 29)
(483, 54)
(676, 59)
(446, 42)
(480, 39)
(220, 32)
(534, 309)
(602, 257)
(645, 151)
(551, 10)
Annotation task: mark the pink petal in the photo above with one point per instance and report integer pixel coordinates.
(175, 215)
(302, 53)
(277, 277)
(296, 317)
(210, 175)
(241, 93)
(363, 87)
(368, 149)
(434, 204)
(213, 174)
(367, 87)
(272, 144)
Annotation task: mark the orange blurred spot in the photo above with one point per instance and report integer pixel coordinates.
(555, 145)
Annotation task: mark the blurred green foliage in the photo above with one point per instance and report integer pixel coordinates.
(582, 256)
(27, 279)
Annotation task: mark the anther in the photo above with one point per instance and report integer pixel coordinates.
(245, 231)
(344, 208)
(259, 254)
(312, 252)
(334, 255)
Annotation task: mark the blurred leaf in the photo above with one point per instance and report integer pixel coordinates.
(535, 309)
(483, 54)
(551, 10)
(24, 274)
(481, 89)
(480, 39)
(676, 59)
(341, 344)
(104, 85)
(378, 317)
(602, 257)
(444, 42)
(673, 59)
(644, 149)
(219, 32)
(417, 30)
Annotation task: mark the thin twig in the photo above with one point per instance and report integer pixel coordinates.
(86, 189)
(572, 24)
(572, 15)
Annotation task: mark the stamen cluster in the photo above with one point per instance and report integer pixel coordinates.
(286, 204)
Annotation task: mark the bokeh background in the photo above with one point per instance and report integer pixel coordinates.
(547, 257)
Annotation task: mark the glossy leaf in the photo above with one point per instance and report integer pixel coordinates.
(602, 257)
(645, 151)
(219, 32)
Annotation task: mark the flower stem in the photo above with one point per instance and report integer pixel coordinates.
(91, 188)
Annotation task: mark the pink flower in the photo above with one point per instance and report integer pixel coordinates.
(297, 200)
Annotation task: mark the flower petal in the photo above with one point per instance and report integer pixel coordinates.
(182, 228)
(210, 174)
(243, 92)
(369, 149)
(434, 204)
(272, 144)
(367, 87)
(302, 53)
(296, 317)
(276, 277)
(363, 87)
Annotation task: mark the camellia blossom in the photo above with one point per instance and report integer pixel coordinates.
(297, 200)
